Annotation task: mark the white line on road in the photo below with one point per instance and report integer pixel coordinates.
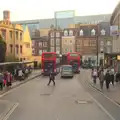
(11, 111)
(102, 108)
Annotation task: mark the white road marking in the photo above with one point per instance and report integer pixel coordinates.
(10, 112)
(111, 117)
(105, 96)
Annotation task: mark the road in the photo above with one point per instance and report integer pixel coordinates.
(68, 100)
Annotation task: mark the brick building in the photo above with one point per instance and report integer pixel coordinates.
(86, 41)
(39, 42)
(55, 43)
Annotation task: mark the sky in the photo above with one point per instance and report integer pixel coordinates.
(42, 9)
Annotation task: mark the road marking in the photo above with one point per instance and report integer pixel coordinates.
(111, 117)
(11, 111)
(105, 95)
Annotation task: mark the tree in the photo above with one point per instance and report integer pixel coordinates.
(2, 49)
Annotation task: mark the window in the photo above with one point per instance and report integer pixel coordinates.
(81, 32)
(93, 32)
(70, 33)
(109, 43)
(101, 43)
(44, 50)
(40, 52)
(52, 49)
(16, 35)
(70, 50)
(21, 49)
(52, 34)
(66, 49)
(86, 43)
(10, 35)
(58, 50)
(11, 48)
(44, 44)
(65, 41)
(17, 47)
(70, 41)
(40, 44)
(20, 36)
(52, 42)
(92, 42)
(57, 41)
(3, 31)
(103, 32)
(57, 34)
(65, 33)
(27, 45)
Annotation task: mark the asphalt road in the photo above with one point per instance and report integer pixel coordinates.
(68, 100)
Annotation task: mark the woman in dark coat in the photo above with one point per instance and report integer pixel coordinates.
(107, 79)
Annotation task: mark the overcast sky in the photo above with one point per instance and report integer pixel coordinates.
(40, 9)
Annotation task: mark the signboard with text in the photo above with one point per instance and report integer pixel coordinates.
(114, 30)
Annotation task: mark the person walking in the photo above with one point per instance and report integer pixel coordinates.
(51, 78)
(107, 79)
(112, 76)
(9, 79)
(94, 75)
(1, 81)
(101, 78)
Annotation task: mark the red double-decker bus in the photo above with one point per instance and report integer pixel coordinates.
(50, 62)
(72, 59)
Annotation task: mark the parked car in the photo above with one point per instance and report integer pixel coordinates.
(67, 71)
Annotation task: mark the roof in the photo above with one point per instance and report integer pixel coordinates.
(114, 13)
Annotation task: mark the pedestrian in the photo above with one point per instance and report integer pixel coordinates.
(101, 78)
(107, 79)
(1, 81)
(94, 75)
(20, 74)
(9, 79)
(51, 78)
(112, 76)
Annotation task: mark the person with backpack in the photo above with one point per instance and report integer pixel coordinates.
(51, 78)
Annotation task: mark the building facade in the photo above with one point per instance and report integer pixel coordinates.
(27, 45)
(115, 21)
(55, 43)
(86, 41)
(39, 41)
(68, 40)
(39, 45)
(15, 38)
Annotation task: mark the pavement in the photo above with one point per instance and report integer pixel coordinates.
(5, 105)
(68, 100)
(113, 93)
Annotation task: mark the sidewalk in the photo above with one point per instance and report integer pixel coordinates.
(113, 93)
(34, 74)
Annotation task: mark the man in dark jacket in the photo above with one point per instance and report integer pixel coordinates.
(107, 79)
(1, 81)
(51, 78)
